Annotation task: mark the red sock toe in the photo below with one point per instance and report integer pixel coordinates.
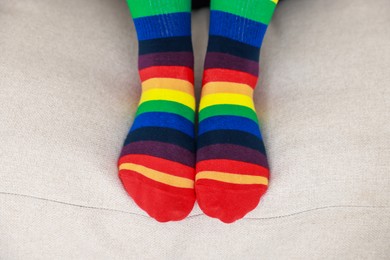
(161, 202)
(227, 202)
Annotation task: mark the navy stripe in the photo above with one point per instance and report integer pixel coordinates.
(161, 134)
(225, 45)
(237, 28)
(171, 44)
(231, 137)
(163, 26)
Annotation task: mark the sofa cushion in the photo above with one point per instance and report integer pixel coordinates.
(68, 92)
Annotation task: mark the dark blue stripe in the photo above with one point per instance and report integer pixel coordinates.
(237, 28)
(231, 137)
(162, 119)
(163, 26)
(222, 44)
(161, 134)
(170, 44)
(229, 123)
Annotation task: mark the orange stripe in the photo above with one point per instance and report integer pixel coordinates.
(177, 72)
(168, 83)
(218, 74)
(135, 179)
(160, 164)
(232, 166)
(227, 87)
(231, 178)
(158, 176)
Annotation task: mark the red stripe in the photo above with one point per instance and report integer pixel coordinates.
(231, 166)
(176, 72)
(160, 164)
(211, 75)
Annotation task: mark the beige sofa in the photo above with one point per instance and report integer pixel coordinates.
(68, 93)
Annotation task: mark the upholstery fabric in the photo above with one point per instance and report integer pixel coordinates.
(69, 88)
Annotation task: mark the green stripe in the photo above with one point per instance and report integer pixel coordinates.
(140, 8)
(229, 110)
(256, 10)
(168, 107)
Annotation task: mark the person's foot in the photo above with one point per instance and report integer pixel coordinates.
(157, 162)
(232, 171)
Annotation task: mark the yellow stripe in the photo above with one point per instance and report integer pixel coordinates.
(227, 87)
(225, 98)
(168, 83)
(275, 1)
(162, 177)
(231, 178)
(170, 95)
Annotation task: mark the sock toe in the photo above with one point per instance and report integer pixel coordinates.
(232, 171)
(161, 203)
(227, 202)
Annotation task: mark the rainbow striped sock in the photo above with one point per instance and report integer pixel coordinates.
(156, 165)
(232, 170)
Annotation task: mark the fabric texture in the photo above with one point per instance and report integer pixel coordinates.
(157, 162)
(232, 170)
(69, 81)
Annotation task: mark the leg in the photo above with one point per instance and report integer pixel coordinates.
(232, 169)
(156, 165)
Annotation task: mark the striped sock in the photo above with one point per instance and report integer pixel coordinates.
(232, 170)
(156, 165)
